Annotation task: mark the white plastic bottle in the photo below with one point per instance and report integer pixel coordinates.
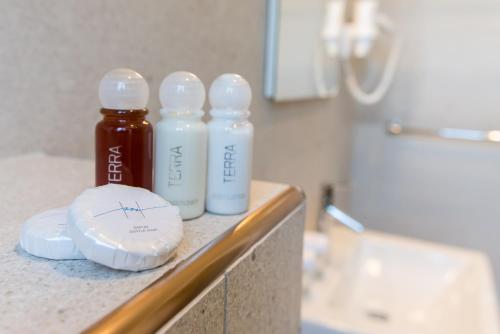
(230, 146)
(181, 144)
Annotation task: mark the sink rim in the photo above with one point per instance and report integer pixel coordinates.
(489, 313)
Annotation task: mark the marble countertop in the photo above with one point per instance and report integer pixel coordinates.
(46, 296)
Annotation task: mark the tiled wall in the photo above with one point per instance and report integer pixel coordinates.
(445, 191)
(260, 293)
(53, 54)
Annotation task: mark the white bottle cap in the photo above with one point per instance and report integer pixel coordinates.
(124, 227)
(123, 89)
(230, 91)
(44, 235)
(182, 92)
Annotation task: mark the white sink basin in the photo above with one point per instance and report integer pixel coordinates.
(377, 283)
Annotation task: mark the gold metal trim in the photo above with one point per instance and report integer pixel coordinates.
(154, 306)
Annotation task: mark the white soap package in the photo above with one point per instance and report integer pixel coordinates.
(45, 235)
(124, 227)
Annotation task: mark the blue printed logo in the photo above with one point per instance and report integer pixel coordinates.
(127, 210)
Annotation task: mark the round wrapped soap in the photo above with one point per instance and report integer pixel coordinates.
(45, 235)
(124, 227)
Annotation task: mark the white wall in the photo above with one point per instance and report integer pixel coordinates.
(449, 77)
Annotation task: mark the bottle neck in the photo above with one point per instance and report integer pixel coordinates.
(230, 114)
(182, 114)
(136, 114)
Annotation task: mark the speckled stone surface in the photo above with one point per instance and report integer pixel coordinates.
(264, 286)
(46, 296)
(204, 315)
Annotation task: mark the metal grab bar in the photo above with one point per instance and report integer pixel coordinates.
(395, 128)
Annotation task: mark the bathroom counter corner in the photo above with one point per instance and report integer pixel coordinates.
(75, 295)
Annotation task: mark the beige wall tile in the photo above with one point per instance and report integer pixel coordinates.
(264, 287)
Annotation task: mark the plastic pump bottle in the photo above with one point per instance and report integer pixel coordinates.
(181, 144)
(124, 138)
(230, 145)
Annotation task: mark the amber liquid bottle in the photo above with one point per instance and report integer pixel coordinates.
(124, 148)
(124, 138)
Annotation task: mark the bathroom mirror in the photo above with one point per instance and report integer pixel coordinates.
(296, 64)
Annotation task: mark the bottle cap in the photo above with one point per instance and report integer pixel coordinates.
(230, 91)
(44, 235)
(124, 227)
(182, 92)
(123, 89)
